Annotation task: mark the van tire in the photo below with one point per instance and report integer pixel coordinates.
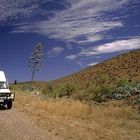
(9, 105)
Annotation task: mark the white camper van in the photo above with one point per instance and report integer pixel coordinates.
(6, 96)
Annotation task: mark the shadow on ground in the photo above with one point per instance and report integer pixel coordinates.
(2, 107)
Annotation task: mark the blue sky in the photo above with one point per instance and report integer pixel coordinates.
(75, 34)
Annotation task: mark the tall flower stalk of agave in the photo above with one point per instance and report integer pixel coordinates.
(36, 59)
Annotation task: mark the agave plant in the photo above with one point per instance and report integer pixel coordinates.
(126, 91)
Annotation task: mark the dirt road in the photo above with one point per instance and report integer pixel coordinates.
(15, 125)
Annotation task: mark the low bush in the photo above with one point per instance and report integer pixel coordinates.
(67, 89)
(48, 91)
(59, 91)
(95, 93)
(122, 82)
(102, 93)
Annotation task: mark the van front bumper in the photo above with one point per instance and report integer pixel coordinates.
(8, 98)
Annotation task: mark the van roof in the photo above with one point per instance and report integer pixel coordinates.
(2, 76)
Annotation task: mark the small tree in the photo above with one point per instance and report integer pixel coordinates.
(36, 59)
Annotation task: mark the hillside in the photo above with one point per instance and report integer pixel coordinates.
(93, 83)
(123, 66)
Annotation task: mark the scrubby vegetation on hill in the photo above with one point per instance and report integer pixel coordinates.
(97, 83)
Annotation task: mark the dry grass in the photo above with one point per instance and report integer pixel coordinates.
(75, 120)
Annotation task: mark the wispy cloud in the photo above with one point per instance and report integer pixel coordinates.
(116, 46)
(12, 10)
(92, 64)
(71, 57)
(82, 22)
(55, 52)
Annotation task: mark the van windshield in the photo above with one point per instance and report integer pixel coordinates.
(3, 85)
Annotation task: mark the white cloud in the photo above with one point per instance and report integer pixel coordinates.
(71, 57)
(93, 63)
(13, 10)
(55, 51)
(80, 64)
(85, 21)
(116, 46)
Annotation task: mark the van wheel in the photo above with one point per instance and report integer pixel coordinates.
(9, 105)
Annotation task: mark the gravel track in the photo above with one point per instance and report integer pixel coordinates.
(15, 125)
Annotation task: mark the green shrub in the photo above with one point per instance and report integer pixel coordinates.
(106, 91)
(27, 88)
(67, 89)
(97, 97)
(102, 93)
(59, 90)
(48, 91)
(122, 82)
(104, 78)
(95, 93)
(92, 93)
